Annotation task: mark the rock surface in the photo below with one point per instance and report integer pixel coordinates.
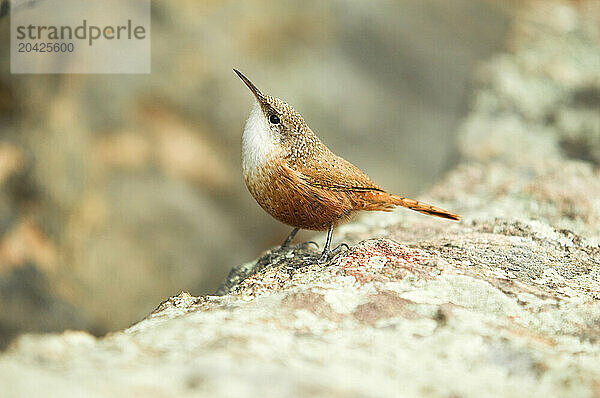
(505, 303)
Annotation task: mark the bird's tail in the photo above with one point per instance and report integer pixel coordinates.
(422, 207)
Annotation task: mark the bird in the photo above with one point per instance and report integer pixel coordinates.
(296, 179)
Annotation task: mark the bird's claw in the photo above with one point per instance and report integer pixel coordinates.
(338, 248)
(313, 242)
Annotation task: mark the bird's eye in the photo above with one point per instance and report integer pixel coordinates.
(274, 119)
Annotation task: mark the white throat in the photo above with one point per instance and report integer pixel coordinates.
(258, 141)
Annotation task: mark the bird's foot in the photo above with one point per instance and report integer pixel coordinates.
(324, 258)
(329, 255)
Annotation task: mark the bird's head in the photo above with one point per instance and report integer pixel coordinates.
(273, 114)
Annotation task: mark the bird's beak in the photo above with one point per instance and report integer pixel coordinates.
(259, 96)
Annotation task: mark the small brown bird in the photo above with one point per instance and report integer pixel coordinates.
(296, 179)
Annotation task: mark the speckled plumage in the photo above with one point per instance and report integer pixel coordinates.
(296, 179)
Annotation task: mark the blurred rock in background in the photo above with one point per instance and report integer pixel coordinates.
(119, 190)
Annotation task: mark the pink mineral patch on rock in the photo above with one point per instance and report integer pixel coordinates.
(385, 260)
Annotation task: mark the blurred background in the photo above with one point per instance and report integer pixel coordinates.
(117, 191)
